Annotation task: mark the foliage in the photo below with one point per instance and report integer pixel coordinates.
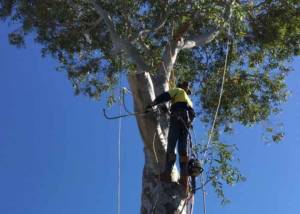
(264, 37)
(218, 161)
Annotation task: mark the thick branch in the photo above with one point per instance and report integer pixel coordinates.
(200, 39)
(171, 52)
(120, 43)
(178, 43)
(155, 29)
(160, 23)
(181, 31)
(173, 48)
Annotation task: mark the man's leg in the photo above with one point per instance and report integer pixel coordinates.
(170, 156)
(183, 158)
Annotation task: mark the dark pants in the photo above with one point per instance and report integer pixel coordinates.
(178, 133)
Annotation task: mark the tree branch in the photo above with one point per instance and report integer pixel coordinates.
(200, 39)
(158, 25)
(155, 29)
(119, 43)
(169, 58)
(181, 31)
(178, 43)
(172, 49)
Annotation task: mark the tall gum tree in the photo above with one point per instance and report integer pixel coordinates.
(97, 40)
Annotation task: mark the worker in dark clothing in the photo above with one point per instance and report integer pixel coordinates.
(182, 115)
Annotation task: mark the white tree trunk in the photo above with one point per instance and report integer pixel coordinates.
(157, 197)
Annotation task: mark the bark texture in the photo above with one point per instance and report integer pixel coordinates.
(157, 197)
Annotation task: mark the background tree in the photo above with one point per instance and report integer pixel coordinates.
(95, 41)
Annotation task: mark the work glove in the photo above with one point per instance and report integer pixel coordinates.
(164, 109)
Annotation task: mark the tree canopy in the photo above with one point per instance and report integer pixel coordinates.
(96, 40)
(264, 36)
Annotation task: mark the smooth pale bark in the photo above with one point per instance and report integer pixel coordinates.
(157, 197)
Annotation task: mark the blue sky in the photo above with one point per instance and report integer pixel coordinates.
(59, 155)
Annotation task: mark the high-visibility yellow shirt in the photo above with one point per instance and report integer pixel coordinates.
(179, 95)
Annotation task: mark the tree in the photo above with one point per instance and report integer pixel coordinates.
(97, 40)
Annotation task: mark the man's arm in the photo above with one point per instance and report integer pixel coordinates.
(162, 98)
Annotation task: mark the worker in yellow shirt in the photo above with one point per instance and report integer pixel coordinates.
(182, 115)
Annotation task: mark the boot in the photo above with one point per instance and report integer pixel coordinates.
(183, 162)
(170, 161)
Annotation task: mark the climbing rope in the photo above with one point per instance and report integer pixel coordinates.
(119, 156)
(153, 147)
(219, 100)
(128, 113)
(119, 163)
(203, 182)
(122, 115)
(213, 127)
